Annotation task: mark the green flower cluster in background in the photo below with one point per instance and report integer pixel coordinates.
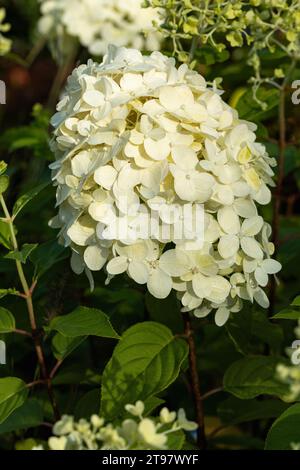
(5, 43)
(260, 25)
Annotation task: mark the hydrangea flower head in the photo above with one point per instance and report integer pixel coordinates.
(137, 143)
(95, 22)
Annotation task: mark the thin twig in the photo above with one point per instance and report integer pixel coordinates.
(55, 368)
(278, 192)
(28, 297)
(280, 179)
(211, 393)
(22, 332)
(195, 381)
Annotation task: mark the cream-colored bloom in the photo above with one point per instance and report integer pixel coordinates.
(97, 23)
(136, 433)
(137, 141)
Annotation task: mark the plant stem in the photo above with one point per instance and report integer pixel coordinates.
(278, 192)
(60, 78)
(279, 187)
(31, 314)
(195, 381)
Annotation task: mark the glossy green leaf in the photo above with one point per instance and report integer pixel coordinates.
(26, 198)
(5, 292)
(287, 314)
(4, 183)
(7, 321)
(5, 235)
(84, 321)
(46, 255)
(146, 361)
(63, 346)
(13, 393)
(253, 376)
(29, 415)
(234, 411)
(22, 254)
(285, 431)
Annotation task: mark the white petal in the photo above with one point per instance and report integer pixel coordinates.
(221, 316)
(271, 266)
(159, 283)
(81, 164)
(131, 81)
(117, 265)
(261, 277)
(229, 220)
(185, 157)
(251, 247)
(252, 226)
(172, 98)
(93, 98)
(77, 263)
(263, 195)
(261, 298)
(218, 289)
(105, 176)
(228, 246)
(138, 271)
(157, 149)
(245, 208)
(174, 262)
(80, 232)
(95, 257)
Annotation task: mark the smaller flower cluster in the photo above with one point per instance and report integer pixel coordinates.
(5, 44)
(290, 375)
(135, 433)
(96, 23)
(263, 25)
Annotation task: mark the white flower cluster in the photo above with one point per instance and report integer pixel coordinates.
(290, 375)
(137, 139)
(136, 433)
(97, 23)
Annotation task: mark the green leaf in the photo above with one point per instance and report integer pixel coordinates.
(3, 167)
(5, 235)
(7, 321)
(4, 183)
(234, 411)
(296, 302)
(253, 376)
(23, 254)
(46, 255)
(88, 405)
(26, 198)
(84, 321)
(285, 430)
(251, 110)
(62, 346)
(29, 415)
(151, 404)
(13, 393)
(287, 314)
(4, 292)
(248, 328)
(146, 361)
(176, 440)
